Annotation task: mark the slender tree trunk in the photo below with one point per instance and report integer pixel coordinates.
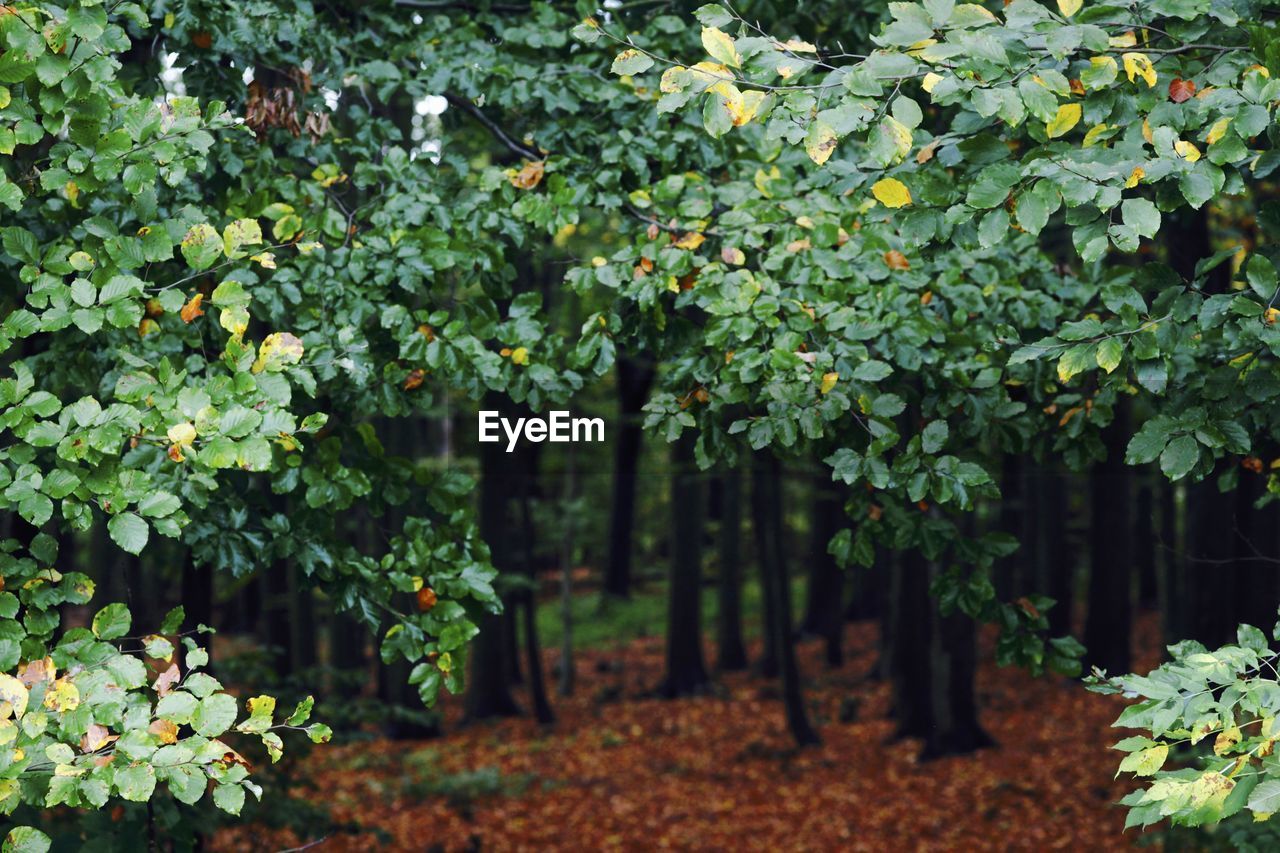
(528, 595)
(1107, 628)
(766, 501)
(634, 378)
(1008, 575)
(488, 691)
(867, 589)
(1055, 561)
(1144, 538)
(567, 673)
(824, 600)
(1210, 573)
(686, 674)
(905, 644)
(1173, 602)
(732, 653)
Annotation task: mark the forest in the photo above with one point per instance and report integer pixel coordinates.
(633, 424)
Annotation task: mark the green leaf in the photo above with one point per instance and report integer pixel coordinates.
(136, 782)
(201, 246)
(112, 622)
(229, 797)
(25, 839)
(129, 532)
(1177, 460)
(214, 715)
(631, 61)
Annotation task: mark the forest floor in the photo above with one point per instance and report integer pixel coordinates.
(622, 770)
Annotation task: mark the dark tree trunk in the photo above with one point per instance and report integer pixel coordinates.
(686, 674)
(634, 378)
(1144, 539)
(953, 660)
(197, 597)
(528, 595)
(867, 589)
(1173, 567)
(1210, 573)
(824, 598)
(1008, 576)
(1108, 624)
(905, 644)
(731, 652)
(1257, 557)
(766, 503)
(1055, 563)
(488, 691)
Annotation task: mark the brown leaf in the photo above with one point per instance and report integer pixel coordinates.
(414, 379)
(426, 599)
(895, 260)
(192, 309)
(1181, 90)
(98, 736)
(40, 669)
(165, 730)
(529, 176)
(164, 682)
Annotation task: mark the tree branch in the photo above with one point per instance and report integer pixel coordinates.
(525, 151)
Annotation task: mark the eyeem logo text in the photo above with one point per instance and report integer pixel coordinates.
(556, 427)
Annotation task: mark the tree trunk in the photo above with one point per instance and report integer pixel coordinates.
(634, 378)
(955, 729)
(1008, 575)
(905, 648)
(686, 674)
(731, 652)
(1054, 562)
(1107, 627)
(766, 501)
(824, 599)
(488, 691)
(528, 595)
(1144, 538)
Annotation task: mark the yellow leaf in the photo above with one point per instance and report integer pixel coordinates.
(520, 355)
(796, 46)
(930, 81)
(820, 142)
(62, 696)
(708, 73)
(1093, 134)
(690, 241)
(1226, 740)
(234, 320)
(901, 137)
(13, 697)
(829, 381)
(733, 255)
(891, 192)
(1139, 65)
(1218, 130)
(1186, 150)
(262, 706)
(1136, 175)
(673, 80)
(277, 351)
(1146, 131)
(182, 434)
(719, 46)
(1125, 39)
(1069, 7)
(1068, 117)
